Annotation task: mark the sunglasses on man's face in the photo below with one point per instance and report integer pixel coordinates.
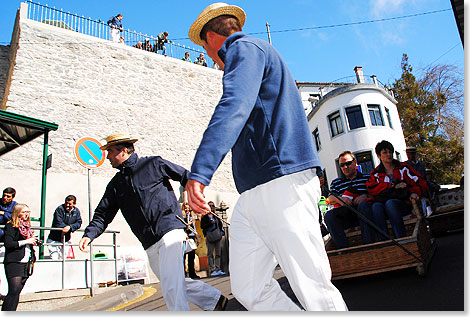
(348, 163)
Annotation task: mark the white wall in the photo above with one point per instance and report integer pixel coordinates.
(92, 87)
(362, 139)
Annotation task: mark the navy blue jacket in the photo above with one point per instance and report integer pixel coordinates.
(7, 209)
(260, 116)
(142, 190)
(114, 21)
(63, 218)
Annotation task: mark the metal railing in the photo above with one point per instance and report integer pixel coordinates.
(64, 258)
(98, 28)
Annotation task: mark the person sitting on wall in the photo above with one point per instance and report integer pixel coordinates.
(67, 217)
(392, 184)
(352, 187)
(6, 207)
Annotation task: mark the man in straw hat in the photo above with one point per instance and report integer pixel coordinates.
(261, 118)
(142, 190)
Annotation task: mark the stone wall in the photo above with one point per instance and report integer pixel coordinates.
(92, 87)
(4, 67)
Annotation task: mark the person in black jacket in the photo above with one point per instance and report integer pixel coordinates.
(67, 217)
(19, 242)
(141, 189)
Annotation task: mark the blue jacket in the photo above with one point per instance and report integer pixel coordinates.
(7, 209)
(114, 21)
(260, 117)
(142, 190)
(63, 218)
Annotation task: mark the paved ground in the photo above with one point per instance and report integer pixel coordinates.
(403, 290)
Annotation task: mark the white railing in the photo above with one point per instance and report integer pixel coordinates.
(98, 28)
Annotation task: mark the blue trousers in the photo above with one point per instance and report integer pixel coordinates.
(341, 218)
(394, 210)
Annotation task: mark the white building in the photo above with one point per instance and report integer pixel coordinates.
(354, 117)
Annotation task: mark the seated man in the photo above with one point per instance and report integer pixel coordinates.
(67, 217)
(352, 187)
(6, 207)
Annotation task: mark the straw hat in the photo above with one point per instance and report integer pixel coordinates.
(213, 11)
(117, 138)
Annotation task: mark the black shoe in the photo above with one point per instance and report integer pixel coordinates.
(221, 304)
(195, 277)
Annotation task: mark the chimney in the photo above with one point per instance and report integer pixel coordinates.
(359, 74)
(374, 79)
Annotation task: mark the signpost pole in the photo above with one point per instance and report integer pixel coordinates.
(89, 154)
(91, 244)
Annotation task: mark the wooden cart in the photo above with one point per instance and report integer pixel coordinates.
(364, 259)
(448, 211)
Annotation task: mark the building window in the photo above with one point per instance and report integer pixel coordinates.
(335, 124)
(387, 112)
(355, 118)
(375, 115)
(365, 162)
(316, 137)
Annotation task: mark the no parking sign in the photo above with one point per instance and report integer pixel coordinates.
(88, 153)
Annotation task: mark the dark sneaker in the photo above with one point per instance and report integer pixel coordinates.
(195, 277)
(221, 304)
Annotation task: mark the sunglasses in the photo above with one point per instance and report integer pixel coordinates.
(348, 163)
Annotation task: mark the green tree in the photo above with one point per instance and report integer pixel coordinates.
(431, 111)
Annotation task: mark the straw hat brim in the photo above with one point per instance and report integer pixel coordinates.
(118, 141)
(210, 13)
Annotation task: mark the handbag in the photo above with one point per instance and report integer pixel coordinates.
(392, 193)
(30, 264)
(190, 245)
(214, 235)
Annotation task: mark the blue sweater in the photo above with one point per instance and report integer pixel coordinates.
(260, 117)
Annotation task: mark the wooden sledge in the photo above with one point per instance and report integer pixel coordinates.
(363, 259)
(448, 211)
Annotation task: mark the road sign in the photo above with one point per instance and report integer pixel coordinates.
(88, 154)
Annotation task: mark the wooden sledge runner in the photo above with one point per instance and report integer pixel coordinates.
(364, 259)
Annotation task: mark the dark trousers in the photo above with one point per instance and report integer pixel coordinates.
(341, 218)
(191, 256)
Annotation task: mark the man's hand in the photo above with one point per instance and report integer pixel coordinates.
(66, 229)
(83, 244)
(414, 196)
(359, 199)
(196, 198)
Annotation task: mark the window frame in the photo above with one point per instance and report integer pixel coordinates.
(377, 111)
(336, 116)
(359, 107)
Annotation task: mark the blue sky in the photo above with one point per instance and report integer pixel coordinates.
(313, 55)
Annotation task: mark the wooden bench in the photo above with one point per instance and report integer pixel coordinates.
(363, 259)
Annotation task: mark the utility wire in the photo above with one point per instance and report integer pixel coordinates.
(324, 26)
(346, 24)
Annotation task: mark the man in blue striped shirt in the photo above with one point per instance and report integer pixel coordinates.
(352, 189)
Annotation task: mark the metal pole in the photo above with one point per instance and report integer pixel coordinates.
(63, 261)
(115, 258)
(269, 32)
(91, 246)
(42, 218)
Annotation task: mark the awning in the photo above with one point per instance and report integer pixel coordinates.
(16, 130)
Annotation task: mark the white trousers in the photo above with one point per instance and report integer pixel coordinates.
(277, 223)
(114, 35)
(166, 259)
